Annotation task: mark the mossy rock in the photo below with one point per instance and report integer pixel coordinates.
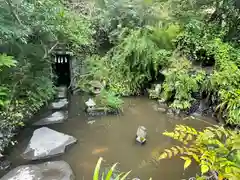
(102, 111)
(96, 87)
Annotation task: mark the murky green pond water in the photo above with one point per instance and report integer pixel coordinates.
(112, 137)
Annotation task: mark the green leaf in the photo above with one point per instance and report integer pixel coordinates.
(236, 146)
(163, 156)
(97, 168)
(125, 175)
(204, 169)
(109, 174)
(188, 161)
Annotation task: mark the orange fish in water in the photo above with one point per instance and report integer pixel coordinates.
(99, 150)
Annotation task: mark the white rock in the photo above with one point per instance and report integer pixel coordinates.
(56, 170)
(60, 104)
(90, 103)
(56, 117)
(142, 132)
(140, 139)
(46, 143)
(91, 122)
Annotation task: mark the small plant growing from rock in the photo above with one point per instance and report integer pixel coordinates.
(108, 100)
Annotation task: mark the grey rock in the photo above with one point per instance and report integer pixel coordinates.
(46, 143)
(161, 109)
(170, 112)
(4, 164)
(56, 170)
(56, 117)
(59, 104)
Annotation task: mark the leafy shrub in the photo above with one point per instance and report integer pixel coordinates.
(181, 80)
(135, 60)
(224, 82)
(215, 149)
(109, 100)
(114, 17)
(29, 33)
(97, 69)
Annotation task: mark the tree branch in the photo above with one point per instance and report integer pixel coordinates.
(50, 50)
(9, 2)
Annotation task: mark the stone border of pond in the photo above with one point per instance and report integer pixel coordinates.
(102, 111)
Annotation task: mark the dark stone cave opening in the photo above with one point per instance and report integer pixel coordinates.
(61, 70)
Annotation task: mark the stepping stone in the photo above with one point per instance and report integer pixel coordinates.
(56, 170)
(62, 92)
(59, 104)
(56, 117)
(46, 143)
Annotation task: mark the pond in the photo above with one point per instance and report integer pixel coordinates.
(113, 138)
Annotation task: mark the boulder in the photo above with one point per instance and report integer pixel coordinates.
(59, 104)
(56, 117)
(46, 143)
(56, 170)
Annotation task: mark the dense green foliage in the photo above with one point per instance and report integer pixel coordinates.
(29, 32)
(185, 46)
(108, 100)
(193, 44)
(216, 150)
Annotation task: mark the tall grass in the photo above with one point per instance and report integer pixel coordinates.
(108, 176)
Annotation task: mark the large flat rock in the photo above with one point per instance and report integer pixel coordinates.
(46, 143)
(56, 170)
(56, 117)
(61, 103)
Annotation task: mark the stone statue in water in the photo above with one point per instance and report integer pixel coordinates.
(141, 134)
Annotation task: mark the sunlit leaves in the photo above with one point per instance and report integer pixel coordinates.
(6, 61)
(204, 169)
(97, 176)
(187, 162)
(214, 149)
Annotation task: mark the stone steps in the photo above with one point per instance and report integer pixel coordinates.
(46, 143)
